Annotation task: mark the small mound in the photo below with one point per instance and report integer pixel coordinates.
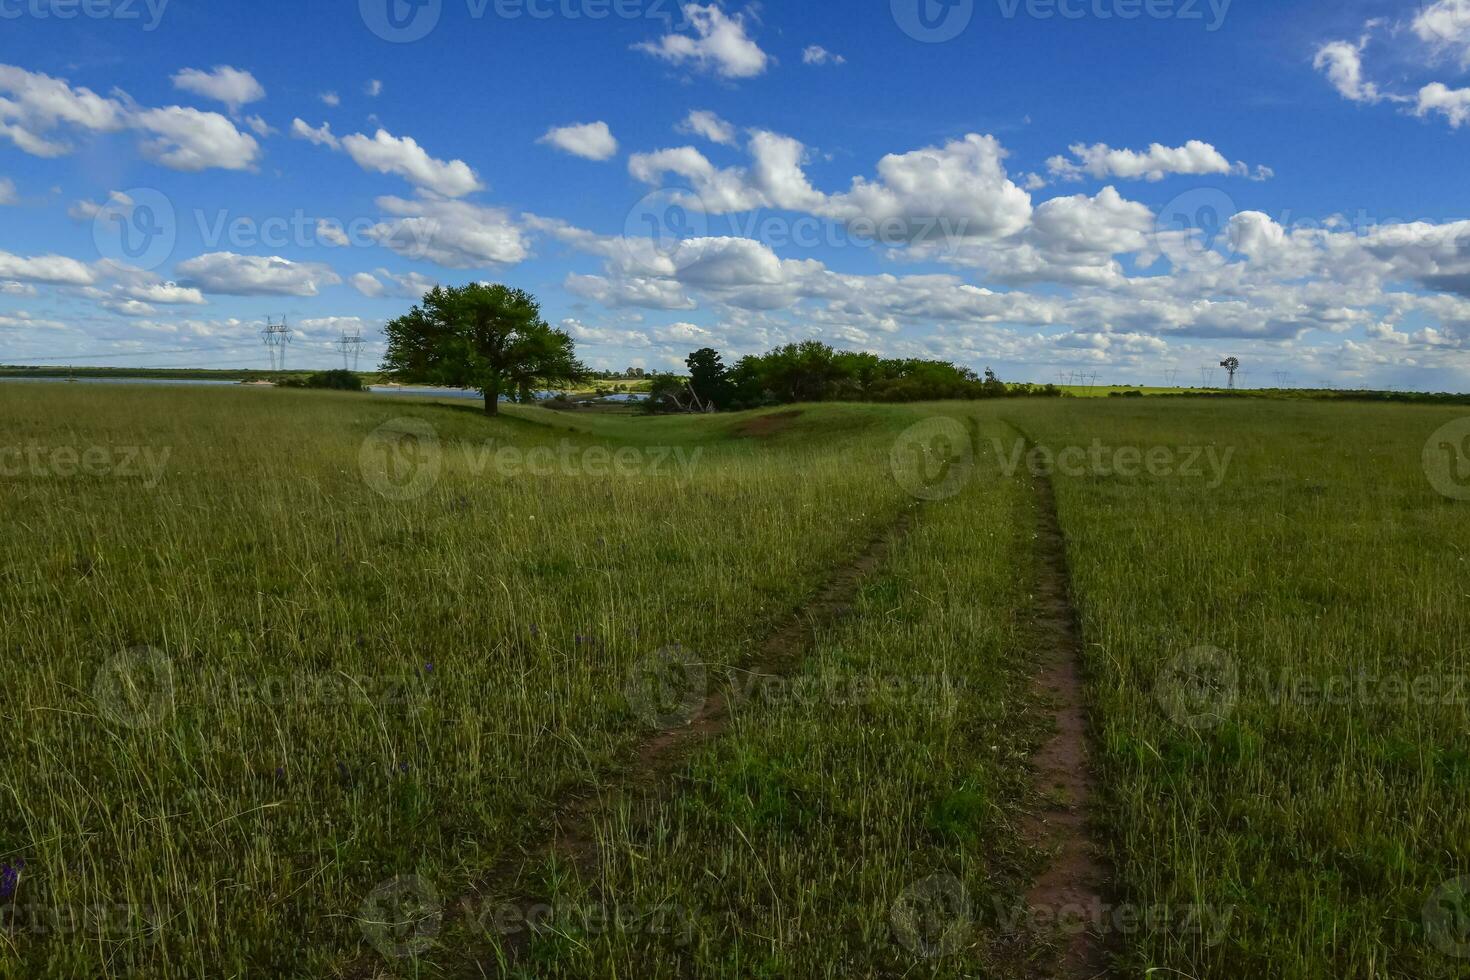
(766, 426)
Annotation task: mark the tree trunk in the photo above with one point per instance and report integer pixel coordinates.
(492, 398)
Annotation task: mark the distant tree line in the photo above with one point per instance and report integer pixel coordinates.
(814, 372)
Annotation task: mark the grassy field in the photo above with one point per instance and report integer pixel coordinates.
(295, 683)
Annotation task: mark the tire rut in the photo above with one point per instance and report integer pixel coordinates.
(1071, 889)
(572, 840)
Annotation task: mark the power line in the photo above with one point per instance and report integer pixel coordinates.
(277, 338)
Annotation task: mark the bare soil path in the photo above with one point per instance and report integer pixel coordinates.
(1070, 891)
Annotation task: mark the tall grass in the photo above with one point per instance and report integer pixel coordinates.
(235, 702)
(1261, 778)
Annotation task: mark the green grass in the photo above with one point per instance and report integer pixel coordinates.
(244, 819)
(334, 688)
(1323, 824)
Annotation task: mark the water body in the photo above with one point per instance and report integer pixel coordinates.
(375, 389)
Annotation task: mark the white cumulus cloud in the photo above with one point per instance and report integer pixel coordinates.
(389, 154)
(252, 275)
(718, 45)
(232, 86)
(590, 141)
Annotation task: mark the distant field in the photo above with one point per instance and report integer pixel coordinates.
(300, 684)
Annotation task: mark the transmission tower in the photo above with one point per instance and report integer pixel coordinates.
(1171, 375)
(351, 346)
(277, 337)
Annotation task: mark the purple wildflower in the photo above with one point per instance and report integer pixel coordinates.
(10, 879)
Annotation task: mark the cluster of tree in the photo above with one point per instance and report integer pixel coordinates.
(338, 380)
(812, 371)
(491, 338)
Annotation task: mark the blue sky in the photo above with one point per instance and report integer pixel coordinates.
(1127, 188)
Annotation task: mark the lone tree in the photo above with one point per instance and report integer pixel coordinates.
(710, 379)
(489, 338)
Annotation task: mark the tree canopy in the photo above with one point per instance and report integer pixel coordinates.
(487, 337)
(812, 371)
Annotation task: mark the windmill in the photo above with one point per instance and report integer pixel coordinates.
(1231, 364)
